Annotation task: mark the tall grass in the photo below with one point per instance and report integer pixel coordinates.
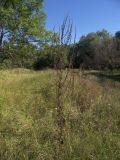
(27, 113)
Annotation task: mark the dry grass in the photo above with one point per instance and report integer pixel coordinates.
(27, 111)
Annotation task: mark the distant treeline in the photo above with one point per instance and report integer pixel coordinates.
(98, 50)
(25, 42)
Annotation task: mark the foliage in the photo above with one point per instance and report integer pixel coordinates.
(24, 41)
(22, 30)
(97, 50)
(7, 3)
(46, 61)
(45, 58)
(23, 24)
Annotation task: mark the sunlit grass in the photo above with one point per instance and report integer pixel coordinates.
(27, 102)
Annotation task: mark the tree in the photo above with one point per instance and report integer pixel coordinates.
(84, 50)
(23, 25)
(117, 38)
(89, 50)
(117, 35)
(7, 3)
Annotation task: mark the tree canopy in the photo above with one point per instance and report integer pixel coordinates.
(7, 3)
(22, 26)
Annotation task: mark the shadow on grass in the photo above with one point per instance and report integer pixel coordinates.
(103, 76)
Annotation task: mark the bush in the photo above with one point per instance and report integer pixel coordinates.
(46, 61)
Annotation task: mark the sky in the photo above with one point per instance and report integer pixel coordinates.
(87, 15)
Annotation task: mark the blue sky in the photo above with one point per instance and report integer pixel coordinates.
(87, 15)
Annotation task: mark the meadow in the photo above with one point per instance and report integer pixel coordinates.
(27, 116)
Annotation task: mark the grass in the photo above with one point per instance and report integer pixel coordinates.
(27, 115)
